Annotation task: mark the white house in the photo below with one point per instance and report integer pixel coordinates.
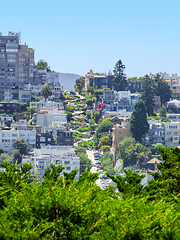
(57, 155)
(7, 137)
(46, 117)
(47, 105)
(172, 133)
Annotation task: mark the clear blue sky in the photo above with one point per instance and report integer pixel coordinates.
(74, 36)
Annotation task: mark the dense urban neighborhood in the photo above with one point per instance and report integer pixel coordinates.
(109, 139)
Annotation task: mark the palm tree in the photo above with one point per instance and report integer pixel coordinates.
(46, 91)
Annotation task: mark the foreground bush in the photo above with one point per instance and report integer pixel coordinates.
(61, 208)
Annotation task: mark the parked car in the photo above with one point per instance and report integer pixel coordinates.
(100, 168)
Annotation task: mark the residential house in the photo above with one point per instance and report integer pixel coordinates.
(44, 139)
(65, 138)
(98, 80)
(57, 155)
(8, 136)
(9, 107)
(173, 105)
(119, 133)
(46, 117)
(47, 105)
(23, 125)
(174, 117)
(172, 133)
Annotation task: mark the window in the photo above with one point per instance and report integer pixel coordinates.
(119, 132)
(127, 131)
(68, 168)
(66, 162)
(58, 162)
(120, 138)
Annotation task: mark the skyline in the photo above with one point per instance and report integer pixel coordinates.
(76, 36)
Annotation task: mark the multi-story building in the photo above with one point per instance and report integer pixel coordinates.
(134, 98)
(119, 133)
(173, 105)
(172, 133)
(23, 125)
(40, 77)
(26, 65)
(157, 133)
(44, 139)
(65, 138)
(8, 136)
(98, 80)
(52, 78)
(57, 155)
(108, 96)
(46, 117)
(47, 105)
(9, 107)
(55, 126)
(16, 63)
(174, 117)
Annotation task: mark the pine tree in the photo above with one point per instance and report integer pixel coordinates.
(138, 121)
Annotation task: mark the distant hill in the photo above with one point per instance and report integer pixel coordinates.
(68, 80)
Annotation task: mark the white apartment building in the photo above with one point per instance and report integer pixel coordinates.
(174, 117)
(52, 78)
(23, 125)
(47, 105)
(172, 133)
(46, 117)
(57, 155)
(122, 113)
(7, 137)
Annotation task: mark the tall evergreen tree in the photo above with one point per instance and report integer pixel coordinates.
(119, 82)
(148, 93)
(162, 89)
(138, 121)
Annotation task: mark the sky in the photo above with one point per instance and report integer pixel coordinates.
(74, 36)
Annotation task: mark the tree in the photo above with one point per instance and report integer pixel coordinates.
(69, 116)
(98, 93)
(23, 106)
(96, 116)
(36, 99)
(42, 65)
(21, 145)
(148, 93)
(163, 111)
(138, 121)
(80, 83)
(132, 152)
(31, 110)
(162, 89)
(105, 140)
(16, 156)
(90, 89)
(119, 82)
(89, 102)
(88, 114)
(105, 148)
(46, 91)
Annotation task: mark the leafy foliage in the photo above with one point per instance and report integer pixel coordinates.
(21, 145)
(61, 208)
(132, 152)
